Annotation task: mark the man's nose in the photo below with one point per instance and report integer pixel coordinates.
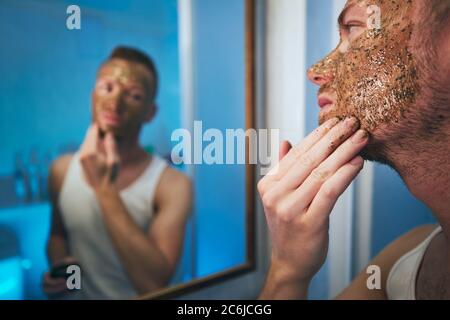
(116, 103)
(319, 77)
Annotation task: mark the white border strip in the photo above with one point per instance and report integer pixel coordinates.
(285, 63)
(363, 218)
(187, 79)
(341, 222)
(187, 67)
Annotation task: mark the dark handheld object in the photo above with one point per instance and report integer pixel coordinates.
(60, 271)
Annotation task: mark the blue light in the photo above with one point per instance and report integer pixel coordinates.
(11, 280)
(26, 264)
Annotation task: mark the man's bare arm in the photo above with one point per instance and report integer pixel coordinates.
(149, 259)
(279, 286)
(174, 204)
(57, 243)
(57, 249)
(358, 290)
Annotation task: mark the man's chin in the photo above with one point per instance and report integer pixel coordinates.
(324, 116)
(104, 129)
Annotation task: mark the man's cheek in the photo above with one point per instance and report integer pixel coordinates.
(133, 113)
(95, 111)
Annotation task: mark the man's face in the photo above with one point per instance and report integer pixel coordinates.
(371, 74)
(121, 98)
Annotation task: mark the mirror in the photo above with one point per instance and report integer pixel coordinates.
(113, 183)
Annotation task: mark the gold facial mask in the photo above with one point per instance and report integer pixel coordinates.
(375, 79)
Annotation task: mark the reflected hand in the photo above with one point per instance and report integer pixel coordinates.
(56, 288)
(99, 159)
(300, 192)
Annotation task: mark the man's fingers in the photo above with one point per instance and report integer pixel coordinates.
(332, 189)
(295, 151)
(54, 285)
(305, 193)
(310, 160)
(306, 144)
(90, 143)
(112, 155)
(284, 149)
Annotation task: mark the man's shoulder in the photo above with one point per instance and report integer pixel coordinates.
(63, 160)
(402, 245)
(174, 177)
(61, 164)
(174, 184)
(58, 170)
(409, 240)
(385, 260)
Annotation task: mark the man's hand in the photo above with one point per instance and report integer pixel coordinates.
(99, 159)
(298, 196)
(56, 288)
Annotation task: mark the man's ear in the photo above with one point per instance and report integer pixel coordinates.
(152, 109)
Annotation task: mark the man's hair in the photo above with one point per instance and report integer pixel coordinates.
(137, 56)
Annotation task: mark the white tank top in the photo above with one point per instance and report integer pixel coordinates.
(401, 282)
(102, 274)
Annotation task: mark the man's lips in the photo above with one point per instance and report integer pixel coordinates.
(325, 103)
(110, 119)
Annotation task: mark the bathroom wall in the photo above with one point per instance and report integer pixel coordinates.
(218, 37)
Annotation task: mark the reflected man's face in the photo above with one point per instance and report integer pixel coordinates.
(121, 98)
(371, 74)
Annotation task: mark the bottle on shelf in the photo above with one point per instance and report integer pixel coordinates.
(21, 182)
(45, 166)
(34, 175)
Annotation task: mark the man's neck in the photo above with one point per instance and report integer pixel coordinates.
(129, 150)
(425, 169)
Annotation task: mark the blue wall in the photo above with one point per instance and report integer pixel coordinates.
(219, 60)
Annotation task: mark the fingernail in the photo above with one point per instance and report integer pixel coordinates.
(360, 136)
(332, 122)
(356, 161)
(351, 122)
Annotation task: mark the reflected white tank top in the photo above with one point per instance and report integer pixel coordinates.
(401, 282)
(102, 275)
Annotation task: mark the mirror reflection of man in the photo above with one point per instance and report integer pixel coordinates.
(118, 212)
(393, 85)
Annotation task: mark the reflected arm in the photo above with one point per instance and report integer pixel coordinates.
(149, 259)
(57, 249)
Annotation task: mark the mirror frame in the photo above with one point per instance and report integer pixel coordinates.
(250, 264)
